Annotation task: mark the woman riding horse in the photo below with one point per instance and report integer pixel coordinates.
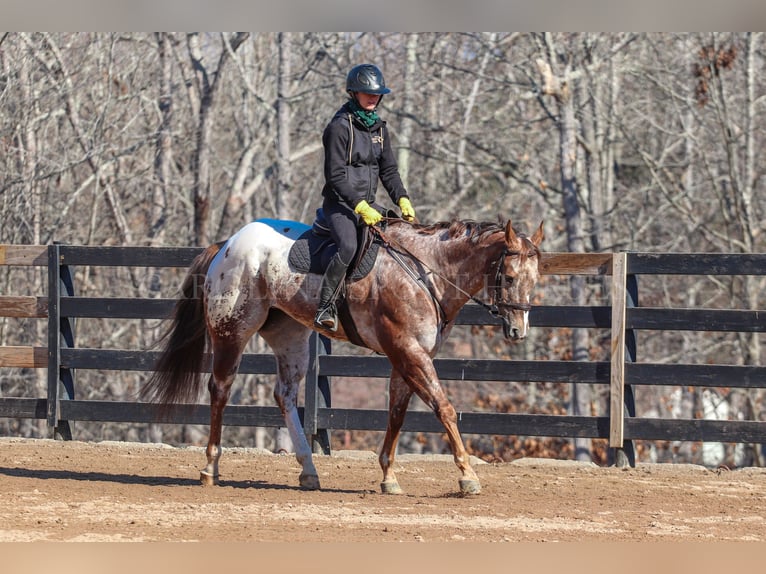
(357, 151)
(404, 309)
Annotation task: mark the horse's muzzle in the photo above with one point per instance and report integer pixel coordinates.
(511, 332)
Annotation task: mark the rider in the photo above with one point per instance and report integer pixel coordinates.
(357, 151)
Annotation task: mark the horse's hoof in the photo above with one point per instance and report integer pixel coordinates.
(207, 479)
(469, 486)
(309, 481)
(390, 487)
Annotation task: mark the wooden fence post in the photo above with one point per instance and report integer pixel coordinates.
(617, 370)
(60, 333)
(626, 456)
(623, 348)
(318, 438)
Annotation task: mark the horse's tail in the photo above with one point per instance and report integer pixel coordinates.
(177, 372)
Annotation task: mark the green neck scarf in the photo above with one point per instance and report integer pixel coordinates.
(367, 118)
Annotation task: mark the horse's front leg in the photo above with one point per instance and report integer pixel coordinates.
(422, 379)
(399, 395)
(469, 482)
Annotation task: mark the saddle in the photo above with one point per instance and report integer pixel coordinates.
(312, 251)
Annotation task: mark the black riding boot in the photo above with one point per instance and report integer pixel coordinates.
(327, 313)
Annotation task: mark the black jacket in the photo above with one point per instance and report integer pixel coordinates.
(355, 157)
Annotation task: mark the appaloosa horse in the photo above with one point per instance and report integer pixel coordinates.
(404, 308)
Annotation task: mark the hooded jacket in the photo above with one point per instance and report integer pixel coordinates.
(355, 158)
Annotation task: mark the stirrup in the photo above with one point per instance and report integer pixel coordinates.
(327, 318)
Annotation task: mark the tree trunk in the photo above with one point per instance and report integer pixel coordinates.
(559, 86)
(408, 89)
(282, 441)
(206, 82)
(27, 144)
(162, 177)
(284, 175)
(163, 144)
(581, 396)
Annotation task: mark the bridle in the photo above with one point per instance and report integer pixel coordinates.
(500, 278)
(497, 304)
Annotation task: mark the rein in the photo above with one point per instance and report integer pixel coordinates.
(411, 272)
(493, 308)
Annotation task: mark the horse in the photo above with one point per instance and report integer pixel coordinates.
(404, 308)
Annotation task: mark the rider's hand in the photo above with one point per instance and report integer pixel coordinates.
(370, 215)
(408, 214)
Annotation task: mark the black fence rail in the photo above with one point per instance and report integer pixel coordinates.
(622, 317)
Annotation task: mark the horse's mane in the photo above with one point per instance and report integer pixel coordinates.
(473, 230)
(455, 228)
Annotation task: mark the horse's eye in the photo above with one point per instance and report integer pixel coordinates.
(509, 280)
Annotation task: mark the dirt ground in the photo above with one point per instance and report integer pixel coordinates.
(75, 491)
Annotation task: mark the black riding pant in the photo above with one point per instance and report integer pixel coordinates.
(343, 223)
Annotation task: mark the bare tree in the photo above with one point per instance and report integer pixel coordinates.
(559, 83)
(206, 87)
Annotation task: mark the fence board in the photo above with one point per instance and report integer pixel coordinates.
(471, 422)
(653, 318)
(550, 264)
(128, 256)
(544, 316)
(25, 307)
(340, 419)
(127, 360)
(23, 408)
(697, 263)
(199, 414)
(367, 366)
(24, 255)
(700, 375)
(24, 357)
(116, 307)
(696, 430)
(474, 369)
(576, 264)
(161, 308)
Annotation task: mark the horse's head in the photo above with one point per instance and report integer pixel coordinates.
(517, 274)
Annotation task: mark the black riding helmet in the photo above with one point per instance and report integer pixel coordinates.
(367, 79)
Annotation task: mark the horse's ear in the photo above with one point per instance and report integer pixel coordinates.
(510, 234)
(539, 235)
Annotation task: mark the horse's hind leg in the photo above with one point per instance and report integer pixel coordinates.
(289, 341)
(226, 357)
(399, 395)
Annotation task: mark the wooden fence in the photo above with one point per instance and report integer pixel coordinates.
(61, 355)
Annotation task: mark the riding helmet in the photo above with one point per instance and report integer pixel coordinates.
(366, 78)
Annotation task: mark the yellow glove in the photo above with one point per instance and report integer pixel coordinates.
(370, 215)
(408, 214)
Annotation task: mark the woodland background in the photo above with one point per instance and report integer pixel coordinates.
(643, 142)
